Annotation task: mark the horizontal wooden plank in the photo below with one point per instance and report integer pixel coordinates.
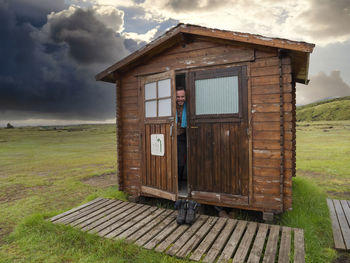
(266, 53)
(271, 98)
(266, 135)
(265, 62)
(271, 116)
(220, 198)
(273, 154)
(271, 80)
(158, 193)
(271, 89)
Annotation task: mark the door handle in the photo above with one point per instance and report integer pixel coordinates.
(171, 129)
(194, 127)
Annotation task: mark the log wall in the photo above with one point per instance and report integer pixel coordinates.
(264, 84)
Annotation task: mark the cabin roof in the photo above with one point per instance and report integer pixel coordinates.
(298, 51)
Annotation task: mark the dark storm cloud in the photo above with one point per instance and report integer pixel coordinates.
(88, 40)
(34, 11)
(322, 86)
(326, 19)
(51, 75)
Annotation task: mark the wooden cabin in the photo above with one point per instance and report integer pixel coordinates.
(240, 92)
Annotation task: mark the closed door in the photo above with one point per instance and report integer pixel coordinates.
(218, 140)
(159, 177)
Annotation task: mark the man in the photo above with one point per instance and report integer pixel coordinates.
(181, 120)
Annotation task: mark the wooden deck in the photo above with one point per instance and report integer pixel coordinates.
(209, 239)
(340, 214)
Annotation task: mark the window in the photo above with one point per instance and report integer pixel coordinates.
(158, 99)
(217, 95)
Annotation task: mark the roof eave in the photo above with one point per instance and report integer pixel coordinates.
(108, 76)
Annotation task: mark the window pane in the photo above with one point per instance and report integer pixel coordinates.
(151, 108)
(164, 87)
(217, 96)
(150, 91)
(164, 107)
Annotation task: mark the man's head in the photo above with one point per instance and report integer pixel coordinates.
(180, 97)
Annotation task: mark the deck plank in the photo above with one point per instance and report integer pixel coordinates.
(122, 207)
(171, 238)
(131, 222)
(54, 218)
(130, 207)
(344, 226)
(187, 235)
(299, 247)
(271, 246)
(255, 253)
(220, 241)
(140, 224)
(80, 211)
(346, 209)
(232, 243)
(208, 240)
(154, 231)
(148, 226)
(161, 235)
(242, 251)
(128, 215)
(284, 253)
(337, 235)
(96, 214)
(196, 238)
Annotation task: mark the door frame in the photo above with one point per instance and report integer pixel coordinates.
(144, 189)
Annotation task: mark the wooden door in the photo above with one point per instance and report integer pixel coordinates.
(218, 145)
(159, 169)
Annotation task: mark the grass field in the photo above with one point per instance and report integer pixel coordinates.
(45, 171)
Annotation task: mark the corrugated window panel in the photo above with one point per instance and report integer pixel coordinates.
(164, 88)
(217, 95)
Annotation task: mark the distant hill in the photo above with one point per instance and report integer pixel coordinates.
(326, 110)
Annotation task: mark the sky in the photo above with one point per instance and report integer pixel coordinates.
(50, 51)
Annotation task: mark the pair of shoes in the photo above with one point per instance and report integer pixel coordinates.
(187, 211)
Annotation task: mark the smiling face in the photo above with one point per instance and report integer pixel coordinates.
(180, 97)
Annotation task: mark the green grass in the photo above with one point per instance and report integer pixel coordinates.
(36, 240)
(323, 155)
(43, 173)
(42, 169)
(310, 212)
(328, 110)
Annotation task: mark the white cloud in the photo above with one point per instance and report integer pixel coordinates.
(110, 16)
(147, 37)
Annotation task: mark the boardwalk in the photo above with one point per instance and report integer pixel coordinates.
(210, 239)
(340, 214)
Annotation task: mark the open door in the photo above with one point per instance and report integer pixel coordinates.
(159, 163)
(218, 140)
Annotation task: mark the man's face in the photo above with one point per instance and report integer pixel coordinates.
(180, 97)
